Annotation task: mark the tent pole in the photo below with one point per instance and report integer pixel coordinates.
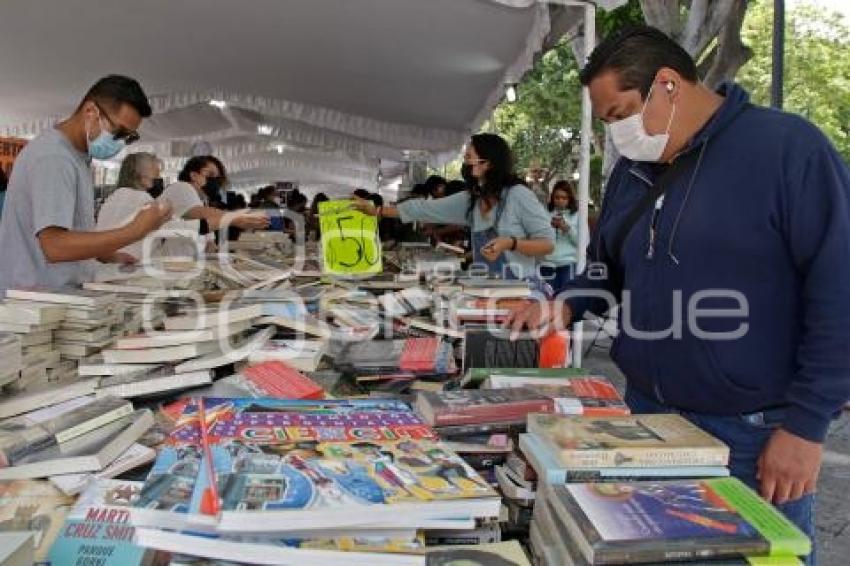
(584, 173)
(778, 67)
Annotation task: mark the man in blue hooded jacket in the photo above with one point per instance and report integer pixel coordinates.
(725, 238)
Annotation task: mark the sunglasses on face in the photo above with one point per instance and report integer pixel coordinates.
(119, 132)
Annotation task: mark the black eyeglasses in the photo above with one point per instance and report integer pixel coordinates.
(120, 132)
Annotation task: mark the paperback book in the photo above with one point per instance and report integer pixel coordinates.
(628, 441)
(477, 406)
(620, 523)
(286, 465)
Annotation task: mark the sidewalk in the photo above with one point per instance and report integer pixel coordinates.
(833, 513)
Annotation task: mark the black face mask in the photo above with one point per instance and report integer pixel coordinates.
(468, 178)
(157, 188)
(212, 188)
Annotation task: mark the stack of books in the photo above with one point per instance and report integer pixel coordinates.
(192, 343)
(399, 363)
(62, 429)
(303, 355)
(85, 325)
(10, 353)
(697, 521)
(251, 472)
(620, 448)
(34, 324)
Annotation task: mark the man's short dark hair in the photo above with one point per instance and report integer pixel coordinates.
(635, 54)
(115, 90)
(194, 165)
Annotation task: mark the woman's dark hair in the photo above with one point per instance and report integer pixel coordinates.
(454, 187)
(319, 198)
(3, 181)
(361, 193)
(222, 172)
(635, 54)
(194, 165)
(376, 199)
(567, 187)
(500, 175)
(419, 190)
(432, 182)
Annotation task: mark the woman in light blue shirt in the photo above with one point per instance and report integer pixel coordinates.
(510, 228)
(560, 265)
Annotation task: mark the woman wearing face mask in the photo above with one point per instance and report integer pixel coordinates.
(560, 264)
(190, 197)
(135, 179)
(510, 228)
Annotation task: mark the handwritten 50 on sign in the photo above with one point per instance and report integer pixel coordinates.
(350, 241)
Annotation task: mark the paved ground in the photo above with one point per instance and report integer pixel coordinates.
(833, 512)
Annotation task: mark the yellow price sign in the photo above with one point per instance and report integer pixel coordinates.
(350, 241)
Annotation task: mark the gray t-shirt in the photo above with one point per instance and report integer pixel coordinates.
(51, 185)
(522, 217)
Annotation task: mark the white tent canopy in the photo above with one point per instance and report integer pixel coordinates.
(330, 92)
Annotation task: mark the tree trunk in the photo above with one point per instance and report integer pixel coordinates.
(730, 53)
(662, 14)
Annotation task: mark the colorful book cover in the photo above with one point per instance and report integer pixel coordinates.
(627, 441)
(277, 379)
(98, 529)
(37, 506)
(294, 454)
(674, 520)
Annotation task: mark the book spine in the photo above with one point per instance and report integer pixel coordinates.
(642, 457)
(493, 413)
(92, 424)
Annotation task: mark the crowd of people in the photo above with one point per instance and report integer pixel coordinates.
(489, 213)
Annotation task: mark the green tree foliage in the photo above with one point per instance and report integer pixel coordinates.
(542, 126)
(817, 66)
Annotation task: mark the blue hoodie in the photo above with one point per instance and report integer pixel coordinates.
(763, 214)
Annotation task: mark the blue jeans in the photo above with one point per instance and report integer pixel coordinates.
(746, 436)
(558, 276)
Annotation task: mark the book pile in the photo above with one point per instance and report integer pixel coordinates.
(399, 364)
(697, 521)
(179, 357)
(260, 472)
(63, 429)
(80, 321)
(12, 356)
(29, 328)
(484, 425)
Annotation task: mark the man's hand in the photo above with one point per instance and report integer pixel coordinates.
(151, 217)
(494, 248)
(121, 258)
(539, 317)
(788, 467)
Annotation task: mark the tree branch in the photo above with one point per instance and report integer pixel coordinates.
(731, 51)
(705, 20)
(662, 14)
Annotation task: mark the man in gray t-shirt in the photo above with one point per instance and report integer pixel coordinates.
(47, 237)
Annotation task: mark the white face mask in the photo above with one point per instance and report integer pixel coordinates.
(632, 140)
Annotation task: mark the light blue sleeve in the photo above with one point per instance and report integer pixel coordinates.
(54, 181)
(447, 210)
(535, 219)
(572, 221)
